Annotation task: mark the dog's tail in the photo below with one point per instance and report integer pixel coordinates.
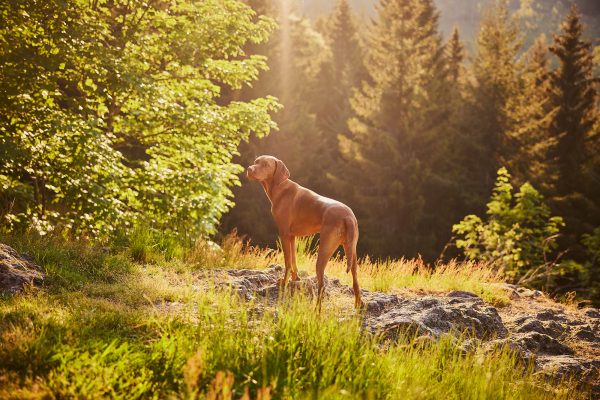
(351, 240)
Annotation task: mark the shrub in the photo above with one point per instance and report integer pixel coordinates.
(519, 233)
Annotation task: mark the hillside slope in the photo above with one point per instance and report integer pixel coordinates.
(212, 323)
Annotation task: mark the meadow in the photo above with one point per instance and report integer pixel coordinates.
(104, 325)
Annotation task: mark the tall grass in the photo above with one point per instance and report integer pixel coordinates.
(146, 331)
(389, 275)
(297, 354)
(232, 253)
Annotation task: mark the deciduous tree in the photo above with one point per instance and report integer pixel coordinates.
(110, 112)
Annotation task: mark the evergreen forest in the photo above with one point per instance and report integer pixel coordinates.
(120, 116)
(490, 154)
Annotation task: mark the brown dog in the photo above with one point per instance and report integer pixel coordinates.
(301, 212)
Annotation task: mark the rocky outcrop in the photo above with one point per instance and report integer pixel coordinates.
(538, 333)
(565, 367)
(549, 338)
(16, 271)
(433, 316)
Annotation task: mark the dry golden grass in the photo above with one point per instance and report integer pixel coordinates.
(233, 253)
(374, 275)
(393, 275)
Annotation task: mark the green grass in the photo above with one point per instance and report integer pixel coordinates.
(106, 325)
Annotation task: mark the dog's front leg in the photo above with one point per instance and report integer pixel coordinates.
(294, 269)
(287, 242)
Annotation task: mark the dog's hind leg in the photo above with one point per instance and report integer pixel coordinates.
(294, 271)
(351, 258)
(328, 243)
(352, 261)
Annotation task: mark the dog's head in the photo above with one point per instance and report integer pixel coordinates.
(267, 168)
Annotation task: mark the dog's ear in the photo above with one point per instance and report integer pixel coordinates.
(281, 173)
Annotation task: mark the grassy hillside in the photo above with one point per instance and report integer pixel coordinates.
(132, 321)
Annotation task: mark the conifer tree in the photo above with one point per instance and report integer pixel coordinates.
(459, 178)
(574, 95)
(341, 72)
(298, 138)
(529, 113)
(495, 72)
(392, 146)
(455, 55)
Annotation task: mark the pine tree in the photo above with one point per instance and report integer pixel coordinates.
(455, 55)
(574, 95)
(343, 39)
(342, 71)
(529, 113)
(393, 145)
(495, 71)
(444, 194)
(297, 142)
(459, 178)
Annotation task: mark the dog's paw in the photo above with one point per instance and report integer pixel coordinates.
(360, 305)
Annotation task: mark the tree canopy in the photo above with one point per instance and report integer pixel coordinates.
(111, 113)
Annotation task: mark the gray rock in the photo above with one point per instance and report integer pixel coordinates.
(462, 293)
(522, 319)
(539, 343)
(524, 356)
(587, 334)
(17, 272)
(555, 329)
(565, 367)
(245, 282)
(249, 283)
(394, 324)
(533, 294)
(551, 315)
(377, 302)
(434, 317)
(306, 286)
(531, 324)
(592, 313)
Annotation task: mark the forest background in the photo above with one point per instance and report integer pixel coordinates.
(406, 110)
(453, 129)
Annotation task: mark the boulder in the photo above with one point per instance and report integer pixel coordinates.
(436, 316)
(566, 367)
(592, 313)
(377, 302)
(547, 327)
(250, 283)
(17, 271)
(539, 343)
(586, 333)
